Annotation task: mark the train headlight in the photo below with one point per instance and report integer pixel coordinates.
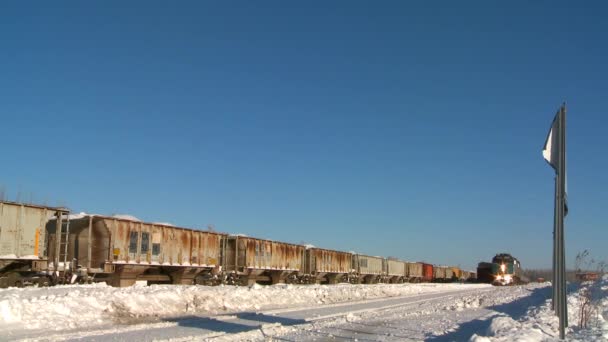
(503, 267)
(508, 278)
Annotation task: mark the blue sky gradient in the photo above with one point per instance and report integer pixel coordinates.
(388, 128)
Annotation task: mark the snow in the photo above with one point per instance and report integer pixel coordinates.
(126, 217)
(80, 215)
(118, 216)
(13, 256)
(383, 312)
(8, 256)
(164, 224)
(91, 305)
(539, 323)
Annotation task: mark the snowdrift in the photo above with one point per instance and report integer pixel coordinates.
(98, 304)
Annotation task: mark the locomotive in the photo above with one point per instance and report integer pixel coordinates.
(503, 270)
(42, 246)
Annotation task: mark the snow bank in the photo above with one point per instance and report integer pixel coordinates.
(541, 324)
(94, 305)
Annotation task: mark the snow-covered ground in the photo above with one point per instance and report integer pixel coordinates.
(539, 323)
(436, 312)
(74, 306)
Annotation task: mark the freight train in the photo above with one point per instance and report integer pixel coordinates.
(503, 270)
(42, 246)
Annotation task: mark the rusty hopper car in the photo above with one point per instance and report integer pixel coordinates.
(23, 252)
(248, 260)
(456, 274)
(414, 272)
(326, 266)
(121, 251)
(395, 270)
(369, 269)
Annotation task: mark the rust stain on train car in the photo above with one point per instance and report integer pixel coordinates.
(213, 249)
(194, 249)
(121, 239)
(270, 255)
(187, 244)
(249, 245)
(327, 261)
(166, 246)
(185, 238)
(288, 256)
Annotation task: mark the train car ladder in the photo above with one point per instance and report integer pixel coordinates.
(64, 239)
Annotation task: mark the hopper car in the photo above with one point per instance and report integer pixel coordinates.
(23, 243)
(327, 266)
(415, 272)
(396, 270)
(41, 245)
(428, 272)
(248, 260)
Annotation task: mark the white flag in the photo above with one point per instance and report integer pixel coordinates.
(551, 153)
(551, 149)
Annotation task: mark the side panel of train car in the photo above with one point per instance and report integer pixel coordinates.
(415, 272)
(326, 266)
(428, 272)
(457, 274)
(23, 254)
(468, 276)
(368, 268)
(484, 273)
(449, 274)
(257, 260)
(396, 271)
(438, 273)
(442, 274)
(121, 251)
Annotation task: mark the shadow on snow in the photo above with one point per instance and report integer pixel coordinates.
(515, 309)
(244, 321)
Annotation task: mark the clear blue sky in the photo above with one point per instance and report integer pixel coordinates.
(384, 128)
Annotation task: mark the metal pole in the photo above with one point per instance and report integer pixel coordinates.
(560, 285)
(563, 208)
(554, 265)
(561, 258)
